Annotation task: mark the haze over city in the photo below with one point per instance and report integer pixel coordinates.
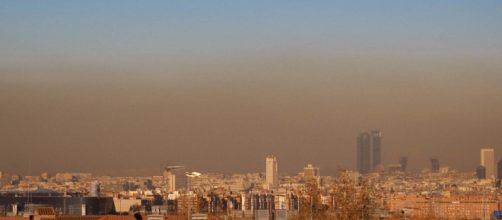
(124, 87)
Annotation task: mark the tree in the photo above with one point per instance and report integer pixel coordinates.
(345, 197)
(311, 206)
(354, 200)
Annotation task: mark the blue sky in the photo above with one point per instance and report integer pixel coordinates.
(125, 31)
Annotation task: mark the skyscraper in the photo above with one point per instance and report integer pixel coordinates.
(369, 151)
(271, 175)
(488, 161)
(312, 173)
(169, 180)
(363, 152)
(404, 163)
(174, 178)
(434, 164)
(481, 172)
(376, 144)
(499, 169)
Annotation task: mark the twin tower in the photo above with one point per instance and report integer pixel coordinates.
(369, 151)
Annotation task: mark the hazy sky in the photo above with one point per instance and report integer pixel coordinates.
(129, 86)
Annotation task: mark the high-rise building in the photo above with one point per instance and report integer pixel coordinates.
(488, 161)
(175, 178)
(376, 145)
(369, 151)
(169, 180)
(271, 172)
(363, 152)
(434, 164)
(481, 172)
(312, 173)
(404, 163)
(499, 169)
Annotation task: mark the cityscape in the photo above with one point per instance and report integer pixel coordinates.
(374, 191)
(250, 110)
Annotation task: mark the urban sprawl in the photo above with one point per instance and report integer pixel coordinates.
(373, 191)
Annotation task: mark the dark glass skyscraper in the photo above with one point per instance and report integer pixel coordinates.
(481, 172)
(499, 169)
(363, 152)
(376, 144)
(404, 163)
(434, 164)
(369, 151)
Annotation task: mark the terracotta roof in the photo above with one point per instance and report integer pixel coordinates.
(45, 211)
(13, 218)
(121, 217)
(78, 217)
(183, 217)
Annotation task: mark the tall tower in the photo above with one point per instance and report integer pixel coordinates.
(488, 161)
(376, 144)
(271, 177)
(481, 172)
(404, 163)
(174, 178)
(434, 164)
(312, 173)
(169, 180)
(363, 152)
(499, 169)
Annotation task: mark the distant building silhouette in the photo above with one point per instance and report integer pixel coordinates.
(404, 163)
(488, 161)
(434, 164)
(499, 169)
(271, 172)
(312, 173)
(363, 152)
(481, 172)
(376, 144)
(174, 178)
(369, 151)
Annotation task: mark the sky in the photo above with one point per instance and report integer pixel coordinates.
(127, 87)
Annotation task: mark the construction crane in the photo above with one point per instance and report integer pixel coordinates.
(172, 168)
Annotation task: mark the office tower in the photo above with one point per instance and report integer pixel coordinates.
(488, 161)
(369, 151)
(312, 173)
(363, 153)
(481, 172)
(376, 145)
(434, 164)
(404, 163)
(271, 175)
(174, 178)
(169, 180)
(499, 169)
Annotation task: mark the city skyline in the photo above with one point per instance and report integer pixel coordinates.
(487, 162)
(128, 87)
